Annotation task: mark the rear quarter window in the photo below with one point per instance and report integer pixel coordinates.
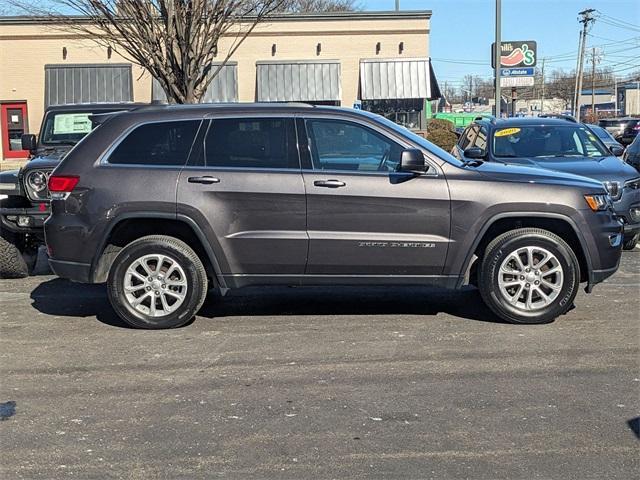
(162, 143)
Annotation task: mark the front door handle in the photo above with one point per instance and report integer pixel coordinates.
(206, 180)
(329, 183)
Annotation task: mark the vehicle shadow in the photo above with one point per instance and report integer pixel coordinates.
(63, 298)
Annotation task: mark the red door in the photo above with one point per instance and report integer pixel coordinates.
(13, 123)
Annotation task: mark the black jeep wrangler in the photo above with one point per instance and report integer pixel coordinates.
(26, 207)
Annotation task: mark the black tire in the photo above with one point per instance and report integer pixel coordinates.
(499, 250)
(178, 252)
(12, 263)
(630, 243)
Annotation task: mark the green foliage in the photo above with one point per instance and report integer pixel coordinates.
(443, 138)
(439, 124)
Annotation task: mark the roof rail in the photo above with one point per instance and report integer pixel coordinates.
(559, 116)
(489, 117)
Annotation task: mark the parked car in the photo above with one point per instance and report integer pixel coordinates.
(605, 137)
(22, 214)
(563, 146)
(163, 203)
(624, 130)
(632, 154)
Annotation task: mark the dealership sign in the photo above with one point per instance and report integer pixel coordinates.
(519, 54)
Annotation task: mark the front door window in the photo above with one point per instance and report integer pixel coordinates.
(340, 145)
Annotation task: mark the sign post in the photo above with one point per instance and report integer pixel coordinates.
(495, 53)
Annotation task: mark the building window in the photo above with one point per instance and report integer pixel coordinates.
(403, 111)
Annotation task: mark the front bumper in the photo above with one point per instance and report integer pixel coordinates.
(33, 217)
(598, 276)
(631, 229)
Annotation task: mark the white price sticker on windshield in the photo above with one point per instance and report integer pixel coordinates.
(71, 123)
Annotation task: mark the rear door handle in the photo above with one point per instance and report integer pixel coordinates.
(206, 180)
(329, 183)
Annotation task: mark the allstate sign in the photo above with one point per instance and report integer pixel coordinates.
(517, 72)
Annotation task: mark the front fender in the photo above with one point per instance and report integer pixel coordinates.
(476, 235)
(10, 183)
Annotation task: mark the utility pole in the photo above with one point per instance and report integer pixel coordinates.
(575, 91)
(397, 5)
(615, 94)
(593, 84)
(586, 22)
(542, 100)
(497, 54)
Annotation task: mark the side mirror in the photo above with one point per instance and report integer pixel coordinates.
(617, 150)
(412, 160)
(29, 142)
(474, 152)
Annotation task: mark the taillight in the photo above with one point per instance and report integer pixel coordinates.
(637, 127)
(62, 183)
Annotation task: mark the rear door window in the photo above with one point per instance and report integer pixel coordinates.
(162, 143)
(252, 143)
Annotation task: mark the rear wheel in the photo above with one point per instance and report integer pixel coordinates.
(529, 275)
(157, 282)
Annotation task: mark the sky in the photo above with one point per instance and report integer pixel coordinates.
(463, 30)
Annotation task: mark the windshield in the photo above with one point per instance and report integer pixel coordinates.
(65, 128)
(538, 141)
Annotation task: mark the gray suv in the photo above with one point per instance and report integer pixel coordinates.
(165, 202)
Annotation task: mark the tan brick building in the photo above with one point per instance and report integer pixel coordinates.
(374, 60)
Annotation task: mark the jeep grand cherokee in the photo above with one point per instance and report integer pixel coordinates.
(164, 202)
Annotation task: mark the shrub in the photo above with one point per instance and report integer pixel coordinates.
(443, 138)
(439, 124)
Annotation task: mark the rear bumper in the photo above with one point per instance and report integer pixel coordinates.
(78, 272)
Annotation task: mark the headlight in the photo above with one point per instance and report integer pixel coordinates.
(35, 183)
(598, 202)
(614, 189)
(633, 184)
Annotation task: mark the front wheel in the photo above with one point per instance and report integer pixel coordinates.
(12, 263)
(529, 275)
(157, 282)
(630, 243)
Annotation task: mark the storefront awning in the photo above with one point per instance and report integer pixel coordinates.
(87, 83)
(382, 79)
(223, 87)
(298, 81)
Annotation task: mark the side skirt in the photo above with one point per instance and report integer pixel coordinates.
(442, 281)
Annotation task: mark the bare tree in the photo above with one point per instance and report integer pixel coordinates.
(175, 40)
(305, 6)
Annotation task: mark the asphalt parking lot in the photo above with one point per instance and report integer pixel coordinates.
(320, 383)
